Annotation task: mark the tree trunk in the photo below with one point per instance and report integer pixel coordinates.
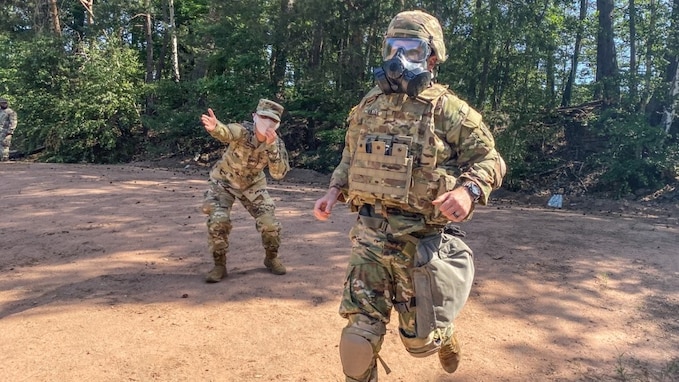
(475, 35)
(647, 92)
(279, 52)
(608, 86)
(671, 111)
(149, 42)
(162, 55)
(173, 34)
(316, 46)
(89, 4)
(504, 77)
(148, 20)
(568, 90)
(54, 14)
(486, 55)
(672, 74)
(633, 83)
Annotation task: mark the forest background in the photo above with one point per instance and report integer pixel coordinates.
(581, 96)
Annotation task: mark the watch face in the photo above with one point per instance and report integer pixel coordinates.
(474, 189)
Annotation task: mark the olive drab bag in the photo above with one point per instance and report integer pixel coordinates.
(442, 278)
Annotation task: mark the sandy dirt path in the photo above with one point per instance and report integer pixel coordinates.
(101, 278)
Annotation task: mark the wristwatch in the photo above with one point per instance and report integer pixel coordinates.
(474, 190)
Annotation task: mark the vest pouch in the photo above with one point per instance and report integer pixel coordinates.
(424, 188)
(381, 169)
(442, 279)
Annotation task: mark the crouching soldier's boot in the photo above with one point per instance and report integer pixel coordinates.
(273, 263)
(449, 354)
(219, 271)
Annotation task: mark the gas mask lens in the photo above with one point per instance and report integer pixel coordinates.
(413, 49)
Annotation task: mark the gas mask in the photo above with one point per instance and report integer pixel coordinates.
(405, 67)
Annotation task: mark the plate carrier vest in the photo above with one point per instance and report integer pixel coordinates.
(395, 160)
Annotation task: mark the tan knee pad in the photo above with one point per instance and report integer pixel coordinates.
(356, 354)
(361, 341)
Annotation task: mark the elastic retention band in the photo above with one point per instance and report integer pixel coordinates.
(384, 364)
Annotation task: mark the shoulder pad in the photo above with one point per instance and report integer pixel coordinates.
(433, 92)
(366, 100)
(249, 126)
(372, 94)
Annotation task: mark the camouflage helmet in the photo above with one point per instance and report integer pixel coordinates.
(422, 25)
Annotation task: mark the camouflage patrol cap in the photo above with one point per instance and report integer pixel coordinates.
(271, 109)
(421, 25)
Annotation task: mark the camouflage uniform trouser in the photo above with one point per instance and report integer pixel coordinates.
(6, 141)
(217, 204)
(379, 276)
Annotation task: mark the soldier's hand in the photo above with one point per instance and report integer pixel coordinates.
(209, 120)
(270, 136)
(323, 206)
(455, 205)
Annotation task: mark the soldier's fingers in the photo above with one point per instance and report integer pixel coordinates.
(211, 113)
(321, 215)
(441, 198)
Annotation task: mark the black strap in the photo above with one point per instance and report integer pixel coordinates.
(406, 306)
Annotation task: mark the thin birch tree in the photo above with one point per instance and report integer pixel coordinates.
(173, 34)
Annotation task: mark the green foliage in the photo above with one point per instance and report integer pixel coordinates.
(8, 70)
(83, 104)
(637, 156)
(315, 126)
(528, 146)
(621, 154)
(327, 155)
(82, 95)
(173, 118)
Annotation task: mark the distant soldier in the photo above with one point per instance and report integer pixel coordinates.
(8, 122)
(252, 146)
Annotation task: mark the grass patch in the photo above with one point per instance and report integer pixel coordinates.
(629, 369)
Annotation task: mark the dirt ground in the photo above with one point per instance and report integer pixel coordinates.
(101, 279)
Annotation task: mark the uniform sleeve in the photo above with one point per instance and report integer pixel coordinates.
(340, 176)
(228, 133)
(12, 121)
(473, 156)
(279, 165)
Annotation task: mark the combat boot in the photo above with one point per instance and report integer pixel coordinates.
(449, 354)
(273, 264)
(219, 271)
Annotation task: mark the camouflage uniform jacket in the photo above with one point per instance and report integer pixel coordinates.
(8, 121)
(464, 147)
(243, 162)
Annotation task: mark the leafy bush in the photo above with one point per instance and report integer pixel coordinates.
(82, 106)
(637, 157)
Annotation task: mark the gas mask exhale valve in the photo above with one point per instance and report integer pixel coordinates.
(398, 75)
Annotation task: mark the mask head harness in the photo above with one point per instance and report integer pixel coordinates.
(412, 37)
